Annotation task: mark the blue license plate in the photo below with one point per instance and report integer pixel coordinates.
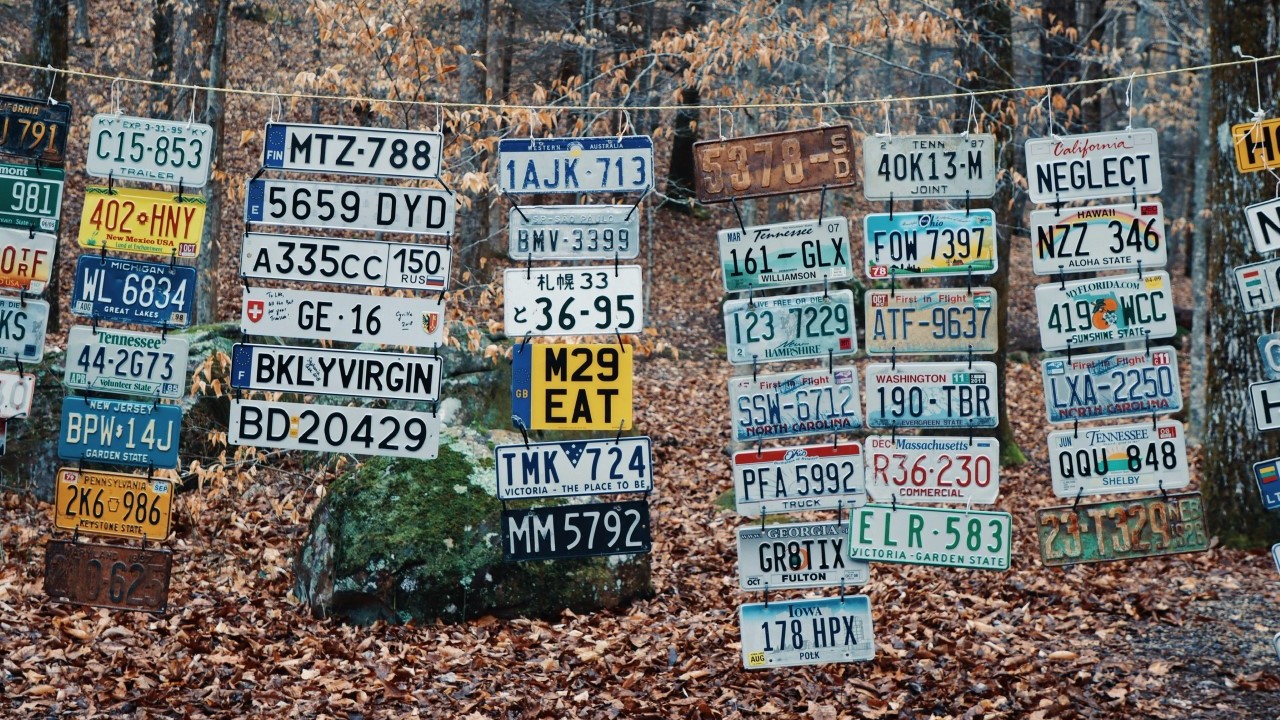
(119, 432)
(132, 291)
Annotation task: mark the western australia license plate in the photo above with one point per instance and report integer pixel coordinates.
(813, 631)
(1111, 384)
(576, 165)
(930, 244)
(790, 327)
(132, 291)
(1106, 237)
(1122, 529)
(941, 395)
(1105, 310)
(792, 479)
(1118, 459)
(917, 469)
(150, 222)
(944, 537)
(785, 254)
(931, 321)
(797, 555)
(120, 432)
(810, 402)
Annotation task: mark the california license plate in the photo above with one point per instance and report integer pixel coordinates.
(1107, 237)
(1105, 310)
(572, 387)
(335, 429)
(931, 321)
(928, 468)
(937, 395)
(813, 631)
(22, 328)
(918, 167)
(150, 150)
(119, 432)
(26, 259)
(1098, 165)
(30, 197)
(778, 163)
(346, 150)
(133, 291)
(16, 392)
(797, 555)
(573, 232)
(930, 244)
(344, 206)
(555, 532)
(35, 129)
(342, 317)
(110, 576)
(573, 301)
(112, 504)
(794, 479)
(1111, 384)
(581, 467)
(150, 222)
(326, 371)
(367, 263)
(127, 363)
(1264, 225)
(810, 402)
(1259, 285)
(790, 327)
(785, 254)
(1267, 475)
(1118, 459)
(615, 164)
(1121, 529)
(944, 537)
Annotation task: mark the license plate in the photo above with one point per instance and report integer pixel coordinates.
(573, 232)
(1257, 145)
(112, 504)
(1264, 225)
(345, 150)
(1275, 556)
(335, 429)
(1121, 529)
(810, 402)
(777, 163)
(582, 467)
(1265, 398)
(1105, 310)
(120, 432)
(919, 469)
(1119, 459)
(343, 317)
(1259, 285)
(150, 222)
(572, 387)
(931, 321)
(932, 395)
(326, 371)
(1269, 348)
(30, 198)
(367, 263)
(944, 537)
(133, 291)
(571, 531)
(796, 555)
(1267, 473)
(16, 392)
(110, 576)
(26, 259)
(813, 631)
(930, 244)
(576, 165)
(785, 254)
(573, 301)
(22, 328)
(128, 363)
(343, 206)
(1111, 384)
(918, 167)
(790, 327)
(793, 479)
(35, 129)
(150, 150)
(1097, 165)
(1104, 237)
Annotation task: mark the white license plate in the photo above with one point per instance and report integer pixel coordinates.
(573, 301)
(1098, 165)
(813, 631)
(16, 392)
(931, 321)
(576, 165)
(926, 468)
(946, 537)
(150, 150)
(793, 479)
(26, 259)
(1264, 225)
(1111, 384)
(128, 363)
(790, 327)
(1103, 237)
(1105, 310)
(342, 317)
(939, 243)
(1269, 348)
(345, 150)
(1265, 398)
(810, 402)
(1259, 285)
(1142, 457)
(573, 232)
(917, 167)
(380, 208)
(797, 555)
(567, 468)
(1275, 555)
(367, 263)
(22, 329)
(334, 429)
(805, 252)
(932, 395)
(325, 371)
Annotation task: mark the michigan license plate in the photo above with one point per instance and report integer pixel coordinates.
(556, 532)
(573, 232)
(785, 254)
(918, 167)
(112, 504)
(810, 402)
(26, 259)
(334, 429)
(1267, 475)
(926, 468)
(582, 467)
(22, 328)
(794, 479)
(119, 432)
(35, 129)
(1259, 285)
(1098, 165)
(572, 387)
(368, 263)
(931, 321)
(342, 317)
(133, 291)
(932, 395)
(576, 165)
(326, 371)
(30, 197)
(150, 222)
(1121, 529)
(150, 150)
(127, 363)
(776, 163)
(1111, 384)
(930, 244)
(813, 631)
(344, 206)
(1105, 310)
(16, 392)
(943, 537)
(573, 301)
(1118, 459)
(790, 327)
(345, 150)
(110, 576)
(797, 555)
(1109, 237)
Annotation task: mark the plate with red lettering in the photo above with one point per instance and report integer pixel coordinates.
(926, 469)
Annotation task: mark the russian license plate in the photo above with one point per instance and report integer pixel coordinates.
(343, 317)
(150, 222)
(570, 531)
(26, 259)
(932, 395)
(35, 129)
(572, 387)
(1265, 398)
(343, 206)
(776, 163)
(133, 291)
(1119, 459)
(785, 254)
(110, 576)
(813, 631)
(1269, 348)
(573, 301)
(335, 429)
(1257, 145)
(790, 327)
(930, 244)
(796, 555)
(16, 391)
(1105, 310)
(30, 197)
(616, 164)
(1264, 225)
(119, 432)
(367, 263)
(918, 167)
(326, 371)
(1259, 285)
(1267, 473)
(128, 363)
(1111, 384)
(581, 467)
(945, 537)
(112, 504)
(810, 402)
(22, 328)
(1098, 165)
(1106, 237)
(573, 232)
(345, 150)
(150, 150)
(931, 321)
(794, 479)
(915, 469)
(1121, 529)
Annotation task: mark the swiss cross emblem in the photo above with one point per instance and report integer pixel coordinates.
(254, 310)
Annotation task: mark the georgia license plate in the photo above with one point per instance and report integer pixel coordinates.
(573, 232)
(16, 392)
(1107, 237)
(582, 467)
(813, 631)
(1257, 144)
(119, 432)
(26, 259)
(778, 163)
(792, 479)
(1111, 384)
(133, 291)
(1121, 529)
(128, 363)
(790, 327)
(368, 263)
(150, 222)
(343, 317)
(1119, 459)
(110, 576)
(930, 244)
(931, 321)
(810, 402)
(796, 555)
(112, 504)
(1259, 285)
(944, 537)
(917, 167)
(326, 371)
(343, 206)
(916, 469)
(785, 254)
(1098, 165)
(345, 150)
(1267, 475)
(573, 531)
(30, 197)
(932, 395)
(573, 301)
(1105, 310)
(334, 429)
(35, 129)
(150, 150)
(22, 328)
(572, 387)
(576, 165)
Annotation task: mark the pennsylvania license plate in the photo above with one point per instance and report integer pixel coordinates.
(918, 469)
(919, 167)
(573, 232)
(813, 631)
(778, 163)
(16, 392)
(1122, 529)
(1259, 285)
(127, 363)
(150, 150)
(345, 150)
(367, 263)
(150, 222)
(1257, 144)
(1105, 310)
(1119, 459)
(22, 329)
(573, 301)
(326, 371)
(1098, 165)
(35, 129)
(133, 291)
(790, 327)
(797, 555)
(930, 244)
(30, 197)
(576, 165)
(112, 504)
(555, 532)
(334, 429)
(572, 387)
(1107, 237)
(581, 467)
(1267, 475)
(342, 317)
(1111, 384)
(1264, 225)
(110, 576)
(344, 206)
(794, 479)
(932, 395)
(944, 537)
(810, 402)
(26, 259)
(120, 432)
(785, 254)
(931, 321)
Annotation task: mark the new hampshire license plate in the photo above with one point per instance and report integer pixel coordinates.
(931, 321)
(790, 327)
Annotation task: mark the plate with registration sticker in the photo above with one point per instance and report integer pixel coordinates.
(931, 321)
(930, 244)
(813, 631)
(797, 555)
(149, 222)
(342, 317)
(572, 387)
(918, 167)
(1267, 475)
(1105, 237)
(1111, 384)
(810, 402)
(582, 467)
(16, 392)
(944, 537)
(1264, 225)
(932, 395)
(785, 254)
(119, 432)
(1105, 310)
(368, 263)
(1122, 529)
(112, 504)
(1098, 165)
(556, 532)
(778, 163)
(573, 232)
(1119, 459)
(617, 164)
(573, 301)
(918, 469)
(30, 197)
(150, 150)
(22, 329)
(345, 150)
(111, 576)
(326, 371)
(126, 363)
(790, 327)
(793, 479)
(335, 429)
(344, 206)
(26, 259)
(1259, 285)
(35, 129)
(133, 291)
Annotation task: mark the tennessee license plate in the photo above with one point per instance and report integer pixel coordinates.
(1098, 165)
(1119, 459)
(556, 532)
(26, 259)
(582, 467)
(22, 328)
(926, 468)
(776, 163)
(342, 317)
(1121, 529)
(810, 402)
(150, 222)
(1107, 237)
(943, 537)
(918, 167)
(334, 429)
(344, 206)
(368, 263)
(793, 479)
(112, 504)
(1267, 475)
(573, 232)
(30, 197)
(572, 387)
(573, 301)
(931, 321)
(576, 165)
(1105, 310)
(930, 244)
(1259, 285)
(326, 371)
(16, 392)
(790, 327)
(150, 150)
(35, 129)
(133, 291)
(813, 631)
(937, 395)
(797, 555)
(110, 576)
(1111, 384)
(127, 363)
(345, 150)
(785, 254)
(119, 432)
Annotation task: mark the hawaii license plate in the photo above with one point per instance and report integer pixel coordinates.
(1267, 475)
(556, 532)
(30, 197)
(127, 363)
(930, 244)
(110, 576)
(617, 164)
(573, 232)
(581, 467)
(936, 395)
(326, 371)
(778, 163)
(26, 259)
(792, 479)
(1111, 384)
(785, 254)
(797, 555)
(1098, 165)
(342, 317)
(344, 206)
(35, 129)
(150, 150)
(573, 301)
(1259, 285)
(813, 631)
(1264, 225)
(368, 263)
(926, 468)
(346, 150)
(1109, 237)
(572, 387)
(1121, 529)
(16, 392)
(790, 327)
(1118, 459)
(918, 167)
(335, 429)
(944, 537)
(1105, 310)
(133, 291)
(931, 321)
(22, 328)
(119, 432)
(150, 222)
(810, 402)
(112, 504)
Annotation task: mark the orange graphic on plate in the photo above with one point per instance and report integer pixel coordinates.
(1103, 313)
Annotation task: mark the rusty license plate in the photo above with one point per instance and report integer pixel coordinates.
(774, 163)
(110, 576)
(1122, 529)
(35, 129)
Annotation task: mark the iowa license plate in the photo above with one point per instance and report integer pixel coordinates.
(790, 327)
(943, 537)
(797, 555)
(811, 402)
(119, 432)
(917, 469)
(582, 467)
(368, 263)
(16, 392)
(150, 222)
(785, 254)
(343, 317)
(326, 371)
(574, 301)
(132, 291)
(110, 576)
(127, 363)
(1259, 285)
(1119, 459)
(345, 150)
(794, 479)
(930, 244)
(334, 429)
(1106, 310)
(938, 395)
(572, 387)
(556, 532)
(150, 150)
(30, 197)
(931, 321)
(1107, 237)
(918, 167)
(573, 232)
(35, 129)
(813, 631)
(1098, 165)
(777, 163)
(344, 206)
(22, 328)
(1111, 384)
(112, 504)
(1267, 474)
(26, 259)
(576, 165)
(1121, 529)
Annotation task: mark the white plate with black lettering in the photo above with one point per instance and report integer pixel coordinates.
(1143, 457)
(797, 555)
(785, 254)
(334, 429)
(343, 206)
(573, 232)
(926, 468)
(573, 467)
(1100, 237)
(346, 150)
(342, 317)
(369, 263)
(1106, 310)
(919, 167)
(1259, 285)
(573, 301)
(128, 363)
(283, 368)
(16, 392)
(1264, 225)
(790, 327)
(938, 395)
(797, 478)
(1098, 165)
(813, 631)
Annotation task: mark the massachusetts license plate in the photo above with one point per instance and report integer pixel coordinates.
(945, 537)
(343, 206)
(810, 402)
(573, 301)
(150, 222)
(926, 468)
(110, 576)
(576, 165)
(572, 387)
(936, 395)
(112, 504)
(1111, 384)
(931, 321)
(127, 363)
(1121, 529)
(133, 291)
(1265, 398)
(343, 317)
(35, 129)
(326, 371)
(1257, 145)
(1259, 285)
(919, 167)
(777, 163)
(1105, 310)
(790, 327)
(30, 197)
(813, 631)
(345, 150)
(573, 232)
(785, 254)
(1119, 459)
(335, 429)
(22, 328)
(1098, 165)
(16, 392)
(930, 244)
(26, 259)
(1102, 237)
(797, 555)
(793, 479)
(1267, 475)
(367, 263)
(581, 467)
(1264, 225)
(119, 432)
(556, 532)
(150, 150)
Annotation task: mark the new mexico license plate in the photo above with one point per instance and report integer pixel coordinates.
(112, 504)
(1111, 237)
(790, 327)
(132, 291)
(814, 631)
(345, 206)
(150, 222)
(778, 163)
(119, 432)
(326, 371)
(810, 402)
(917, 167)
(582, 467)
(342, 317)
(1121, 529)
(334, 429)
(1119, 459)
(945, 537)
(915, 469)
(572, 387)
(573, 232)
(931, 321)
(1098, 165)
(150, 150)
(937, 395)
(573, 301)
(110, 576)
(22, 329)
(576, 165)
(26, 259)
(930, 244)
(785, 254)
(793, 479)
(1105, 310)
(1111, 384)
(368, 263)
(796, 555)
(30, 197)
(128, 363)
(555, 532)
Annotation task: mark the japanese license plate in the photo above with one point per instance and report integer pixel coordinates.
(813, 631)
(1101, 237)
(150, 150)
(918, 167)
(1267, 474)
(22, 328)
(335, 429)
(1105, 310)
(1119, 459)
(810, 402)
(573, 301)
(925, 468)
(794, 479)
(1269, 348)
(133, 291)
(1265, 398)
(1264, 225)
(112, 504)
(1257, 145)
(797, 555)
(367, 263)
(571, 531)
(573, 232)
(35, 129)
(30, 197)
(343, 317)
(931, 321)
(343, 206)
(345, 150)
(785, 254)
(930, 244)
(944, 537)
(790, 327)
(572, 387)
(1259, 285)
(581, 467)
(326, 371)
(1098, 165)
(1121, 529)
(119, 432)
(777, 163)
(576, 165)
(16, 391)
(1111, 384)
(128, 363)
(26, 259)
(110, 576)
(937, 395)
(150, 222)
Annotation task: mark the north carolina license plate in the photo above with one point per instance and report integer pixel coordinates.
(1264, 225)
(556, 532)
(1121, 529)
(368, 263)
(810, 402)
(343, 317)
(1098, 165)
(343, 206)
(931, 321)
(581, 467)
(926, 468)
(790, 327)
(16, 391)
(35, 129)
(572, 387)
(793, 479)
(814, 631)
(26, 259)
(1105, 237)
(110, 576)
(133, 291)
(1257, 144)
(345, 150)
(119, 432)
(22, 329)
(334, 429)
(150, 150)
(797, 555)
(1111, 384)
(1259, 285)
(30, 197)
(785, 254)
(573, 301)
(576, 165)
(326, 371)
(1105, 310)
(945, 537)
(573, 232)
(150, 222)
(917, 167)
(1119, 459)
(112, 504)
(127, 363)
(776, 163)
(937, 395)
(930, 244)
(1267, 474)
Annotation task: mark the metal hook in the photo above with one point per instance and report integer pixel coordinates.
(969, 280)
(1160, 486)
(1146, 339)
(966, 203)
(516, 206)
(835, 439)
(1079, 494)
(528, 267)
(758, 449)
(733, 201)
(754, 379)
(1128, 99)
(1153, 420)
(763, 511)
(890, 207)
(1135, 198)
(720, 122)
(53, 80)
(115, 95)
(973, 105)
(618, 438)
(893, 281)
(894, 498)
(1257, 80)
(893, 357)
(1068, 351)
(1139, 269)
(276, 105)
(192, 117)
(515, 420)
(822, 203)
(637, 205)
(766, 595)
(970, 356)
(831, 363)
(825, 295)
(888, 131)
(841, 591)
(111, 183)
(1057, 207)
(1075, 431)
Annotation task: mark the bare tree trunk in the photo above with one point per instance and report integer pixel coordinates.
(680, 175)
(473, 226)
(1199, 261)
(215, 115)
(161, 54)
(49, 47)
(82, 23)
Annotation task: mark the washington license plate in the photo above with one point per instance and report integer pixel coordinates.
(150, 222)
(1267, 475)
(938, 395)
(918, 167)
(1118, 459)
(926, 468)
(112, 504)
(785, 254)
(326, 371)
(1111, 384)
(35, 129)
(111, 576)
(573, 232)
(813, 631)
(797, 555)
(790, 327)
(793, 479)
(556, 532)
(810, 402)
(30, 197)
(572, 387)
(128, 363)
(342, 317)
(22, 328)
(150, 150)
(1259, 285)
(1098, 165)
(133, 291)
(26, 259)
(1105, 310)
(346, 150)
(344, 206)
(930, 244)
(576, 165)
(368, 263)
(1122, 529)
(1109, 237)
(16, 392)
(931, 321)
(582, 467)
(334, 429)
(945, 537)
(573, 301)
(778, 163)
(119, 432)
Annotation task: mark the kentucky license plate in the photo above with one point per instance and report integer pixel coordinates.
(16, 392)
(794, 479)
(30, 197)
(342, 317)
(1111, 384)
(572, 387)
(326, 371)
(133, 291)
(1105, 310)
(26, 259)
(22, 329)
(334, 429)
(343, 206)
(120, 432)
(1259, 285)
(785, 254)
(110, 576)
(776, 163)
(790, 327)
(35, 129)
(1110, 237)
(1267, 475)
(931, 321)
(810, 402)
(1098, 165)
(932, 395)
(573, 232)
(150, 150)
(368, 263)
(127, 363)
(576, 165)
(944, 537)
(582, 467)
(112, 504)
(930, 244)
(813, 631)
(925, 468)
(797, 555)
(345, 150)
(573, 301)
(917, 167)
(1119, 459)
(1122, 529)
(556, 532)
(150, 222)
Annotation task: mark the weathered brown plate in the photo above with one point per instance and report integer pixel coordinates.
(774, 163)
(110, 576)
(1122, 529)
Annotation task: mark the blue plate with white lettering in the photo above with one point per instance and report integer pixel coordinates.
(120, 432)
(132, 291)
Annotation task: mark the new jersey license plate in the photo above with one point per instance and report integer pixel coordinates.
(1098, 165)
(794, 479)
(790, 327)
(926, 468)
(1105, 310)
(930, 244)
(111, 576)
(133, 291)
(16, 392)
(368, 263)
(932, 395)
(342, 317)
(777, 163)
(119, 432)
(785, 254)
(150, 150)
(945, 537)
(1267, 475)
(127, 363)
(346, 150)
(931, 321)
(555, 532)
(1106, 237)
(581, 467)
(813, 631)
(112, 504)
(573, 301)
(572, 387)
(576, 165)
(1259, 285)
(919, 167)
(797, 555)
(326, 371)
(1111, 384)
(30, 197)
(335, 429)
(344, 206)
(35, 129)
(1121, 529)
(810, 402)
(26, 259)
(22, 328)
(1118, 459)
(149, 222)
(573, 232)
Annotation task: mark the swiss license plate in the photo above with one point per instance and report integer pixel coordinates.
(16, 392)
(343, 206)
(945, 537)
(572, 387)
(570, 531)
(930, 244)
(1121, 529)
(1264, 225)
(1257, 145)
(150, 222)
(797, 555)
(573, 301)
(813, 631)
(1269, 348)
(932, 395)
(35, 129)
(927, 468)
(343, 317)
(1105, 310)
(918, 167)
(150, 150)
(368, 263)
(574, 467)
(110, 576)
(22, 328)
(26, 259)
(345, 150)
(576, 165)
(1265, 398)
(790, 327)
(1119, 459)
(1098, 165)
(1103, 237)
(1267, 474)
(1111, 384)
(335, 429)
(326, 371)
(127, 363)
(30, 197)
(120, 432)
(931, 321)
(1259, 285)
(785, 254)
(809, 402)
(573, 232)
(112, 504)
(777, 163)
(133, 291)
(794, 479)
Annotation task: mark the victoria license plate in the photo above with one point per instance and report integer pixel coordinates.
(932, 395)
(931, 321)
(128, 363)
(1264, 225)
(810, 402)
(112, 504)
(790, 327)
(1267, 475)
(22, 329)
(16, 392)
(813, 631)
(793, 479)
(1111, 384)
(572, 387)
(150, 150)
(326, 371)
(576, 165)
(930, 244)
(110, 576)
(573, 301)
(797, 555)
(334, 429)
(573, 232)
(1259, 285)
(35, 129)
(368, 263)
(1105, 310)
(26, 259)
(581, 467)
(926, 468)
(918, 167)
(1108, 237)
(778, 163)
(1119, 459)
(1122, 529)
(120, 432)
(133, 291)
(150, 222)
(344, 206)
(342, 317)
(1099, 165)
(946, 537)
(570, 531)
(785, 254)
(30, 197)
(346, 150)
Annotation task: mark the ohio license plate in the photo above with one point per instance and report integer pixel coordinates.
(1121, 529)
(793, 479)
(345, 150)
(813, 631)
(810, 402)
(1105, 237)
(1257, 144)
(110, 576)
(1265, 398)
(344, 317)
(576, 165)
(1119, 459)
(112, 504)
(30, 197)
(1267, 474)
(797, 555)
(1111, 384)
(937, 395)
(335, 429)
(16, 391)
(343, 206)
(785, 254)
(120, 432)
(925, 468)
(573, 301)
(133, 291)
(35, 129)
(573, 232)
(931, 321)
(1264, 225)
(1259, 285)
(326, 371)
(569, 531)
(367, 263)
(22, 328)
(930, 244)
(777, 163)
(128, 363)
(1105, 310)
(944, 537)
(572, 387)
(26, 259)
(150, 150)
(150, 222)
(1098, 165)
(917, 167)
(582, 467)
(790, 327)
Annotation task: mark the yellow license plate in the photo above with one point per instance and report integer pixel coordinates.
(112, 504)
(1257, 145)
(572, 387)
(152, 222)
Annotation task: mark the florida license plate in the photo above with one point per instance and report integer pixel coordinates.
(16, 392)
(30, 197)
(1098, 165)
(932, 395)
(572, 387)
(127, 363)
(326, 371)
(1119, 459)
(790, 327)
(346, 150)
(112, 504)
(927, 468)
(132, 291)
(810, 402)
(1106, 237)
(150, 150)
(555, 532)
(367, 263)
(797, 555)
(930, 244)
(1121, 529)
(573, 301)
(785, 254)
(918, 167)
(342, 317)
(150, 222)
(1259, 285)
(110, 576)
(345, 206)
(1267, 475)
(576, 165)
(22, 328)
(944, 537)
(794, 479)
(582, 467)
(35, 129)
(119, 432)
(1111, 384)
(778, 163)
(334, 429)
(931, 321)
(573, 232)
(1105, 310)
(26, 259)
(813, 631)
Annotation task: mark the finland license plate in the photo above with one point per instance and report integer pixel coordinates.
(810, 402)
(1259, 285)
(1105, 310)
(1267, 474)
(150, 222)
(119, 432)
(30, 197)
(1119, 459)
(22, 328)
(785, 254)
(26, 259)
(794, 479)
(790, 327)
(931, 321)
(1257, 144)
(150, 150)
(555, 532)
(35, 129)
(1098, 165)
(127, 363)
(930, 244)
(110, 576)
(133, 291)
(797, 555)
(573, 232)
(1121, 529)
(581, 467)
(345, 150)
(334, 429)
(932, 395)
(1264, 225)
(573, 301)
(112, 504)
(342, 317)
(813, 631)
(1111, 384)
(343, 206)
(926, 468)
(778, 163)
(572, 387)
(326, 371)
(1106, 237)
(944, 537)
(368, 263)
(576, 165)
(918, 167)
(16, 392)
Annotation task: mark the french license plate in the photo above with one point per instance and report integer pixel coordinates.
(335, 429)
(1111, 384)
(573, 301)
(917, 469)
(326, 371)
(1119, 459)
(796, 555)
(794, 479)
(133, 291)
(1267, 473)
(1121, 529)
(22, 328)
(918, 167)
(1265, 398)
(26, 259)
(119, 432)
(35, 129)
(570, 531)
(785, 254)
(344, 317)
(790, 327)
(110, 576)
(776, 163)
(1269, 348)
(813, 631)
(932, 395)
(576, 165)
(1098, 165)
(944, 537)
(1264, 225)
(367, 263)
(16, 392)
(572, 387)
(810, 402)
(1101, 237)
(930, 244)
(931, 321)
(573, 232)
(1105, 310)
(1259, 285)
(1257, 145)
(581, 467)
(30, 197)
(127, 363)
(343, 206)
(112, 504)
(345, 150)
(150, 150)
(150, 222)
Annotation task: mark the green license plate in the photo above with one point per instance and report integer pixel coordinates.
(930, 536)
(945, 320)
(30, 199)
(1122, 529)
